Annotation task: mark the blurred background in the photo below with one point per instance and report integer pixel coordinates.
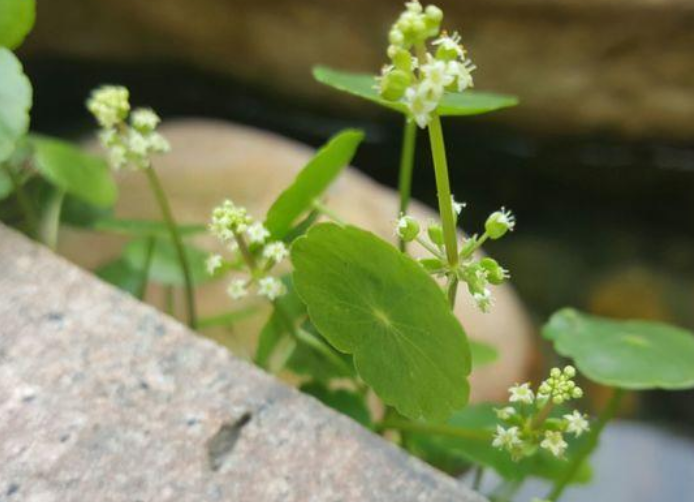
(597, 161)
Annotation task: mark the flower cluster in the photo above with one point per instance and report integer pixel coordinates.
(248, 241)
(130, 138)
(477, 274)
(528, 423)
(414, 76)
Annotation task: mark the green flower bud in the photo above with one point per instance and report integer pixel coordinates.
(499, 223)
(435, 233)
(433, 14)
(570, 371)
(402, 60)
(445, 53)
(577, 393)
(394, 84)
(495, 273)
(408, 228)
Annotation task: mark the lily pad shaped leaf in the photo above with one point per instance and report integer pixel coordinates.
(16, 20)
(370, 300)
(452, 104)
(312, 181)
(634, 355)
(15, 103)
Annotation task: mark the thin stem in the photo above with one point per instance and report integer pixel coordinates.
(406, 167)
(144, 278)
(452, 290)
(477, 479)
(169, 300)
(329, 213)
(438, 152)
(587, 448)
(436, 429)
(25, 205)
(163, 202)
(429, 247)
(50, 222)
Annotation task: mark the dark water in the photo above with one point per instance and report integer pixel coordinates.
(604, 224)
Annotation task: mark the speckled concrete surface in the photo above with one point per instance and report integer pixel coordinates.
(104, 399)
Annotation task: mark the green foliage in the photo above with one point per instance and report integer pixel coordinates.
(346, 402)
(16, 21)
(626, 354)
(5, 185)
(469, 440)
(482, 354)
(312, 181)
(82, 175)
(307, 361)
(15, 102)
(165, 267)
(120, 274)
(453, 104)
(370, 300)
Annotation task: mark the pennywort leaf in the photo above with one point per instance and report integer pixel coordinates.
(452, 104)
(369, 300)
(15, 102)
(626, 354)
(16, 20)
(312, 181)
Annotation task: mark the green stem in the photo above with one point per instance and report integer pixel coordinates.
(436, 429)
(144, 278)
(50, 222)
(406, 167)
(169, 300)
(163, 202)
(429, 247)
(588, 446)
(25, 205)
(477, 479)
(452, 290)
(329, 213)
(438, 152)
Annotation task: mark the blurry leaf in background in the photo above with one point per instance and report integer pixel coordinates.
(82, 175)
(312, 181)
(346, 402)
(80, 214)
(478, 422)
(143, 228)
(16, 21)
(165, 267)
(5, 185)
(15, 102)
(626, 354)
(482, 354)
(122, 275)
(309, 362)
(452, 104)
(370, 300)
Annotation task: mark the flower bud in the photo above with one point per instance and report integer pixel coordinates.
(435, 233)
(499, 223)
(433, 14)
(394, 84)
(495, 273)
(402, 60)
(408, 228)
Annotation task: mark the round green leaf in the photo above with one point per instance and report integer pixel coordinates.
(312, 181)
(452, 104)
(15, 102)
(370, 300)
(165, 267)
(346, 402)
(16, 20)
(84, 176)
(482, 354)
(626, 354)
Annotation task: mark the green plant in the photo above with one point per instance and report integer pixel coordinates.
(358, 320)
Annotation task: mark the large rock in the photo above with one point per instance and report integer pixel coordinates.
(105, 399)
(603, 65)
(212, 160)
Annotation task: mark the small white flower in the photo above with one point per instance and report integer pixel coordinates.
(521, 394)
(484, 300)
(237, 289)
(117, 156)
(271, 288)
(257, 233)
(508, 439)
(213, 263)
(138, 143)
(110, 105)
(144, 119)
(275, 252)
(108, 137)
(576, 423)
(436, 76)
(228, 218)
(461, 72)
(458, 206)
(505, 413)
(450, 43)
(158, 143)
(420, 105)
(554, 442)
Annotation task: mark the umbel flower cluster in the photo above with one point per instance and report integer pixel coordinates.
(415, 76)
(248, 241)
(528, 422)
(130, 138)
(477, 274)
